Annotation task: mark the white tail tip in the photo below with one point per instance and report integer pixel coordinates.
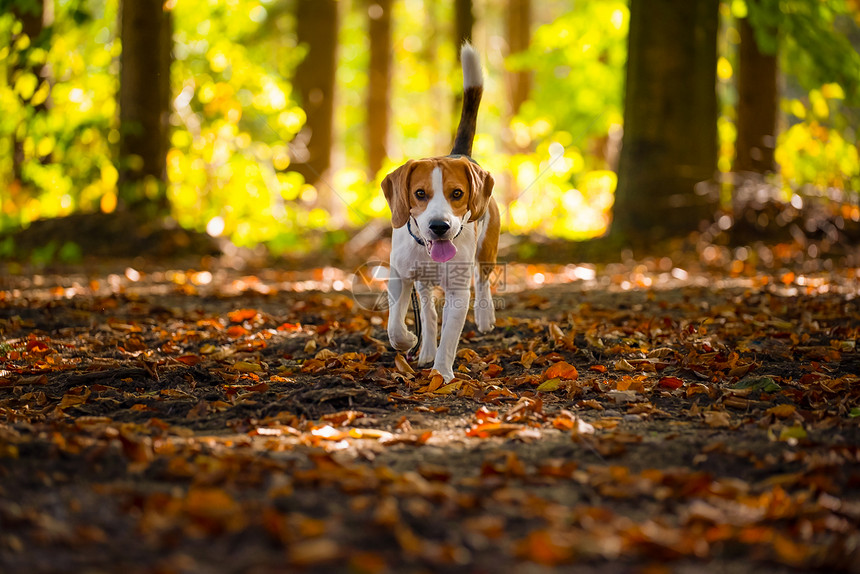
(471, 62)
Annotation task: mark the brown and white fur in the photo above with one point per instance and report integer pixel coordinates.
(436, 202)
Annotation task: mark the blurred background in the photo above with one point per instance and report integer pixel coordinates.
(272, 122)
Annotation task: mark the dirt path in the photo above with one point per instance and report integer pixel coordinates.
(630, 419)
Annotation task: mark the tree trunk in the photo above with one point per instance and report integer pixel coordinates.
(519, 36)
(757, 105)
(670, 113)
(464, 22)
(316, 28)
(518, 24)
(144, 100)
(33, 18)
(378, 109)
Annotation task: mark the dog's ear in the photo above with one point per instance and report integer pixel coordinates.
(396, 189)
(480, 188)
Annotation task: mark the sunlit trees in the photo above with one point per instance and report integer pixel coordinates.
(249, 131)
(144, 103)
(31, 76)
(670, 113)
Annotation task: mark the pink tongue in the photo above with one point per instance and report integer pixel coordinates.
(442, 250)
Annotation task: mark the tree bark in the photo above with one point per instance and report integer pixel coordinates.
(757, 105)
(144, 100)
(464, 22)
(519, 36)
(378, 107)
(670, 113)
(316, 28)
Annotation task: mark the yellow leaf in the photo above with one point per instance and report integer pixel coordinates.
(370, 433)
(550, 385)
(782, 411)
(795, 432)
(449, 388)
(247, 367)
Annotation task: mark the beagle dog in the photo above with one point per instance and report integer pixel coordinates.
(446, 232)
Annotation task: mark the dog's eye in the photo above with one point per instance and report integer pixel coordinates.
(420, 194)
(457, 194)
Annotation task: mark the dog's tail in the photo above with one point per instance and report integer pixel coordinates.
(473, 88)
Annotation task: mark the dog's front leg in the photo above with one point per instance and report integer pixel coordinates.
(399, 297)
(453, 319)
(485, 311)
(429, 324)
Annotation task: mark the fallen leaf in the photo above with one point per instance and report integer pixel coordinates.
(765, 384)
(550, 385)
(717, 419)
(402, 365)
(624, 365)
(247, 367)
(241, 315)
(782, 411)
(671, 383)
(528, 358)
(562, 370)
(449, 388)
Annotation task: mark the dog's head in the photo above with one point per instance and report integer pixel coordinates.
(441, 194)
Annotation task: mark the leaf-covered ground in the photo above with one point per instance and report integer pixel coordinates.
(635, 417)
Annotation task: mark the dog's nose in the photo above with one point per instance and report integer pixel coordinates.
(439, 227)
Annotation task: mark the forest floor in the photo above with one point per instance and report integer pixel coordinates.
(644, 416)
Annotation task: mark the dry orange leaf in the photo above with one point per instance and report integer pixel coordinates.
(237, 331)
(402, 365)
(189, 360)
(240, 315)
(436, 381)
(489, 429)
(562, 370)
(671, 383)
(493, 370)
(528, 358)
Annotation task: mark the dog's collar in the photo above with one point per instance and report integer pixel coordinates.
(420, 241)
(417, 239)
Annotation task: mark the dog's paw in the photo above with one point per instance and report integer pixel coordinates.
(485, 318)
(447, 371)
(402, 340)
(427, 355)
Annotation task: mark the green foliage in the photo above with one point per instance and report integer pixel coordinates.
(562, 175)
(819, 147)
(66, 129)
(812, 36)
(233, 115)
